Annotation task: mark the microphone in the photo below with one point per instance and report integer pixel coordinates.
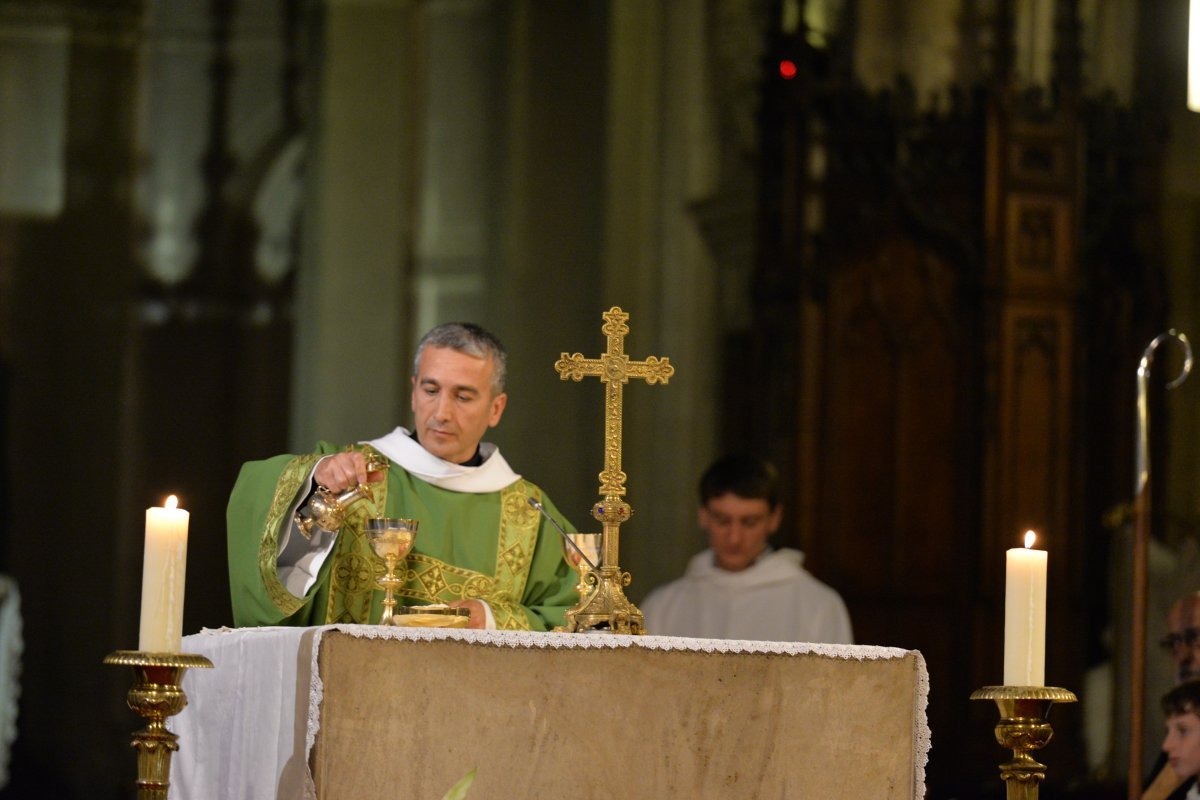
(566, 537)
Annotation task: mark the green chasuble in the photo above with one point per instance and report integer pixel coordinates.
(491, 546)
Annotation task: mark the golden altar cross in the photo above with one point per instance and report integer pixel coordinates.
(605, 606)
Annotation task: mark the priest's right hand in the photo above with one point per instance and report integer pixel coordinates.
(343, 470)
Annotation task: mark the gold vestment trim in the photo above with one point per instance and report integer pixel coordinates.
(355, 568)
(294, 474)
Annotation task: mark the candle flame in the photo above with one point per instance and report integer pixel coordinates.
(1030, 538)
(173, 502)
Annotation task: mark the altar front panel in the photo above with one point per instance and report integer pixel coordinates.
(385, 712)
(621, 722)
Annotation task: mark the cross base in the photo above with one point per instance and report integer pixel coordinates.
(605, 608)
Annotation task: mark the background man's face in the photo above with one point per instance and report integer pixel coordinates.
(452, 402)
(1183, 622)
(738, 528)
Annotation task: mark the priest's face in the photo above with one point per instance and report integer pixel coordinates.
(453, 402)
(738, 528)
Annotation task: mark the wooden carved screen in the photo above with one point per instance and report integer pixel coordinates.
(897, 401)
(889, 468)
(931, 334)
(947, 305)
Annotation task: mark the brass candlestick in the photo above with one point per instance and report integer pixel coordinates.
(1023, 727)
(156, 695)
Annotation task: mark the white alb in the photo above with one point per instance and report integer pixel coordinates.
(773, 600)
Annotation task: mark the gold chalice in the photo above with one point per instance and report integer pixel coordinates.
(391, 539)
(582, 553)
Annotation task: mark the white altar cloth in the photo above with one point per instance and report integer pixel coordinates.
(251, 722)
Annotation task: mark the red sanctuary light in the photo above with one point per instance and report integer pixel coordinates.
(787, 69)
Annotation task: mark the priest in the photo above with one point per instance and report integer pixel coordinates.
(481, 545)
(741, 588)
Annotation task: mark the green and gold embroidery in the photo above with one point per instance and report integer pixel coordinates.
(430, 580)
(294, 476)
(355, 567)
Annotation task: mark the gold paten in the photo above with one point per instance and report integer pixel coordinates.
(1023, 727)
(156, 695)
(602, 603)
(434, 616)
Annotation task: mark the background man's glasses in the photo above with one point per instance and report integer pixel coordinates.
(1181, 640)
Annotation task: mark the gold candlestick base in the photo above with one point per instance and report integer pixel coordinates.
(156, 695)
(1023, 728)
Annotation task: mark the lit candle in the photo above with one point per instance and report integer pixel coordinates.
(1025, 615)
(163, 567)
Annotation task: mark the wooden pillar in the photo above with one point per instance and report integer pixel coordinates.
(1032, 220)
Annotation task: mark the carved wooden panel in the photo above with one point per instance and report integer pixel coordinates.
(892, 407)
(1034, 424)
(1038, 240)
(1038, 156)
(890, 467)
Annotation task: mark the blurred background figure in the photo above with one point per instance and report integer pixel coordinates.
(741, 587)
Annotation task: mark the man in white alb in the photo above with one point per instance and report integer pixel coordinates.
(740, 588)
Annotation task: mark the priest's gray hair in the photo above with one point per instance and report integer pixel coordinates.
(471, 339)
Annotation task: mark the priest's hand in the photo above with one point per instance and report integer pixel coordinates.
(478, 615)
(343, 470)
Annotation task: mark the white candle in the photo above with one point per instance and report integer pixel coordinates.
(163, 568)
(1025, 616)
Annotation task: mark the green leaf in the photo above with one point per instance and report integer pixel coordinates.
(459, 790)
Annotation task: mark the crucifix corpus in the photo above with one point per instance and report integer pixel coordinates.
(602, 603)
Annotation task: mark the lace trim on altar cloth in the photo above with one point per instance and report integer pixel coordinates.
(537, 639)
